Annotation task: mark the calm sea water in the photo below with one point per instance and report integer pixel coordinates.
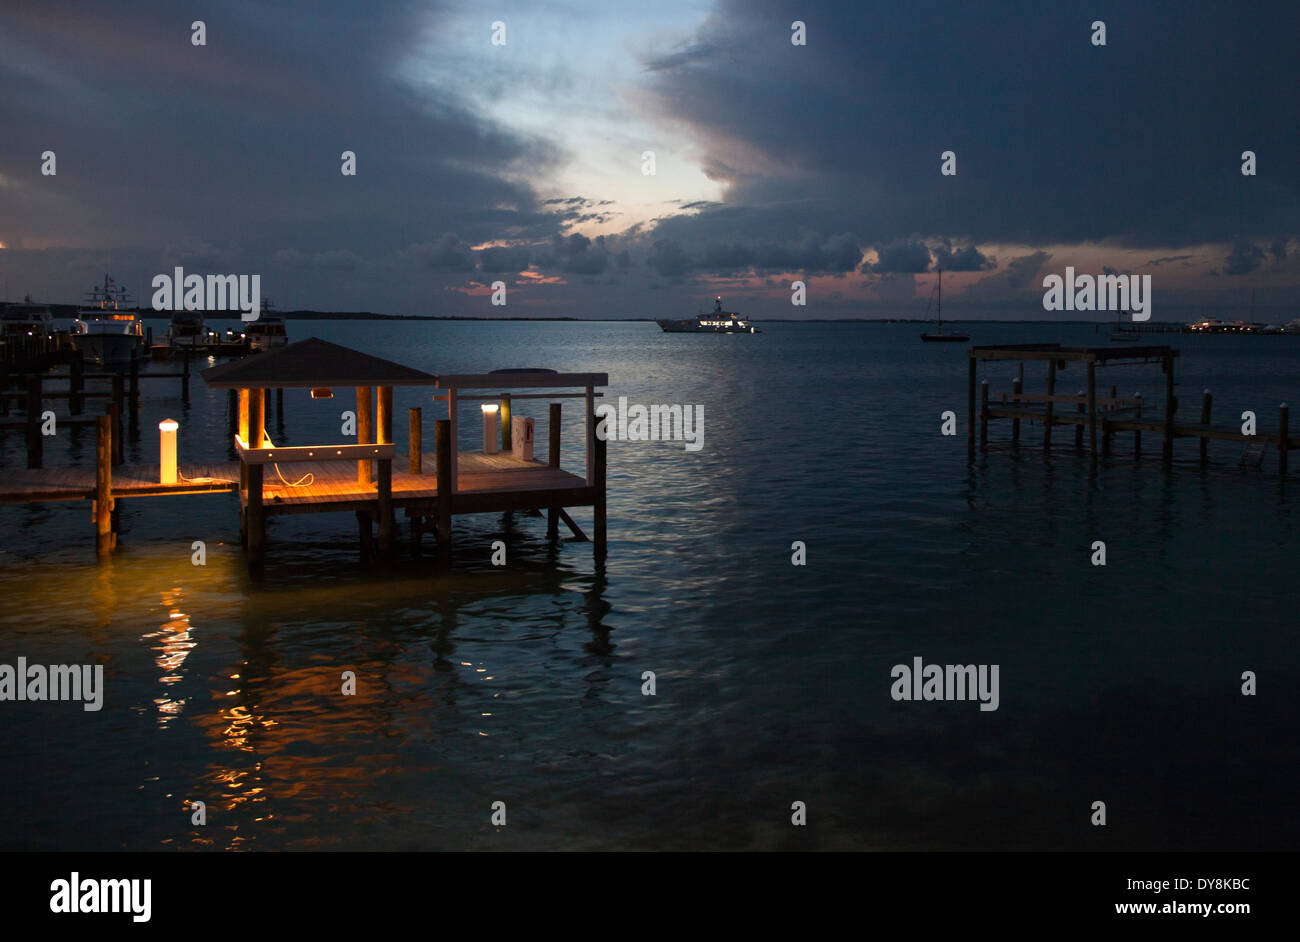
(523, 684)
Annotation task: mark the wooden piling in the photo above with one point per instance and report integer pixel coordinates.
(256, 511)
(76, 383)
(598, 507)
(1051, 391)
(365, 431)
(104, 485)
(185, 378)
(35, 440)
(1207, 402)
(1137, 433)
(553, 460)
(507, 433)
(256, 420)
(1171, 405)
(384, 430)
(1283, 436)
(984, 413)
(1017, 385)
(1092, 407)
(443, 457)
(414, 436)
(133, 396)
(970, 402)
(1081, 408)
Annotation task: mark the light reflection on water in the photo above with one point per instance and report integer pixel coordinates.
(523, 684)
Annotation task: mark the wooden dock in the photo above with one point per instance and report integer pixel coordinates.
(362, 476)
(1099, 417)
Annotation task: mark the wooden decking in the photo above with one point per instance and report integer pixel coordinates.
(490, 482)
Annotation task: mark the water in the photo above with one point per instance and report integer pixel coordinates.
(523, 684)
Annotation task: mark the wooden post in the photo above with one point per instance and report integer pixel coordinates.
(1051, 391)
(453, 416)
(118, 396)
(1092, 406)
(104, 484)
(1081, 408)
(1170, 407)
(984, 413)
(443, 456)
(35, 440)
(591, 436)
(1283, 438)
(598, 509)
(256, 512)
(76, 383)
(414, 436)
(386, 521)
(256, 420)
(384, 430)
(1207, 401)
(970, 400)
(507, 435)
(365, 431)
(1137, 434)
(185, 378)
(244, 398)
(1016, 387)
(553, 460)
(133, 396)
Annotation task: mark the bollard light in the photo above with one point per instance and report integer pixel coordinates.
(167, 450)
(490, 443)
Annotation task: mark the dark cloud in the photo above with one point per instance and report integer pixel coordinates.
(900, 258)
(967, 259)
(499, 259)
(1246, 257)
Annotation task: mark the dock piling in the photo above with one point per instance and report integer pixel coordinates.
(414, 435)
(1092, 407)
(984, 413)
(1017, 385)
(35, 441)
(1078, 428)
(1171, 406)
(507, 435)
(1207, 401)
(365, 431)
(104, 484)
(598, 508)
(1051, 391)
(443, 459)
(553, 460)
(1283, 438)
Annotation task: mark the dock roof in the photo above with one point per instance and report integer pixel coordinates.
(313, 363)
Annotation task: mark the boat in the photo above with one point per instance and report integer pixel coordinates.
(268, 331)
(108, 331)
(1122, 334)
(939, 336)
(718, 322)
(187, 330)
(27, 319)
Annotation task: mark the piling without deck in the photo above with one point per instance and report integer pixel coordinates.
(1112, 412)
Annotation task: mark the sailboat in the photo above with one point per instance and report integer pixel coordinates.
(939, 336)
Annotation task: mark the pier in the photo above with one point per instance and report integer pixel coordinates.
(363, 476)
(1096, 417)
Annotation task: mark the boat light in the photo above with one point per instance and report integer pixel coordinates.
(167, 450)
(490, 436)
(322, 393)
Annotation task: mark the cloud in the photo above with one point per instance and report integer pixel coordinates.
(901, 258)
(1246, 257)
(967, 259)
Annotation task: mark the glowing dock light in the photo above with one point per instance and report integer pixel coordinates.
(490, 435)
(322, 393)
(167, 450)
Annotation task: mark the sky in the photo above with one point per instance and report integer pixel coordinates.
(524, 161)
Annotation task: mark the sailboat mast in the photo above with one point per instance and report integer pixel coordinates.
(939, 301)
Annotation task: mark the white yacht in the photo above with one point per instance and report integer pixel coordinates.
(719, 322)
(108, 329)
(27, 319)
(268, 331)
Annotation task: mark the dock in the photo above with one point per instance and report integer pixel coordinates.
(364, 476)
(1096, 417)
